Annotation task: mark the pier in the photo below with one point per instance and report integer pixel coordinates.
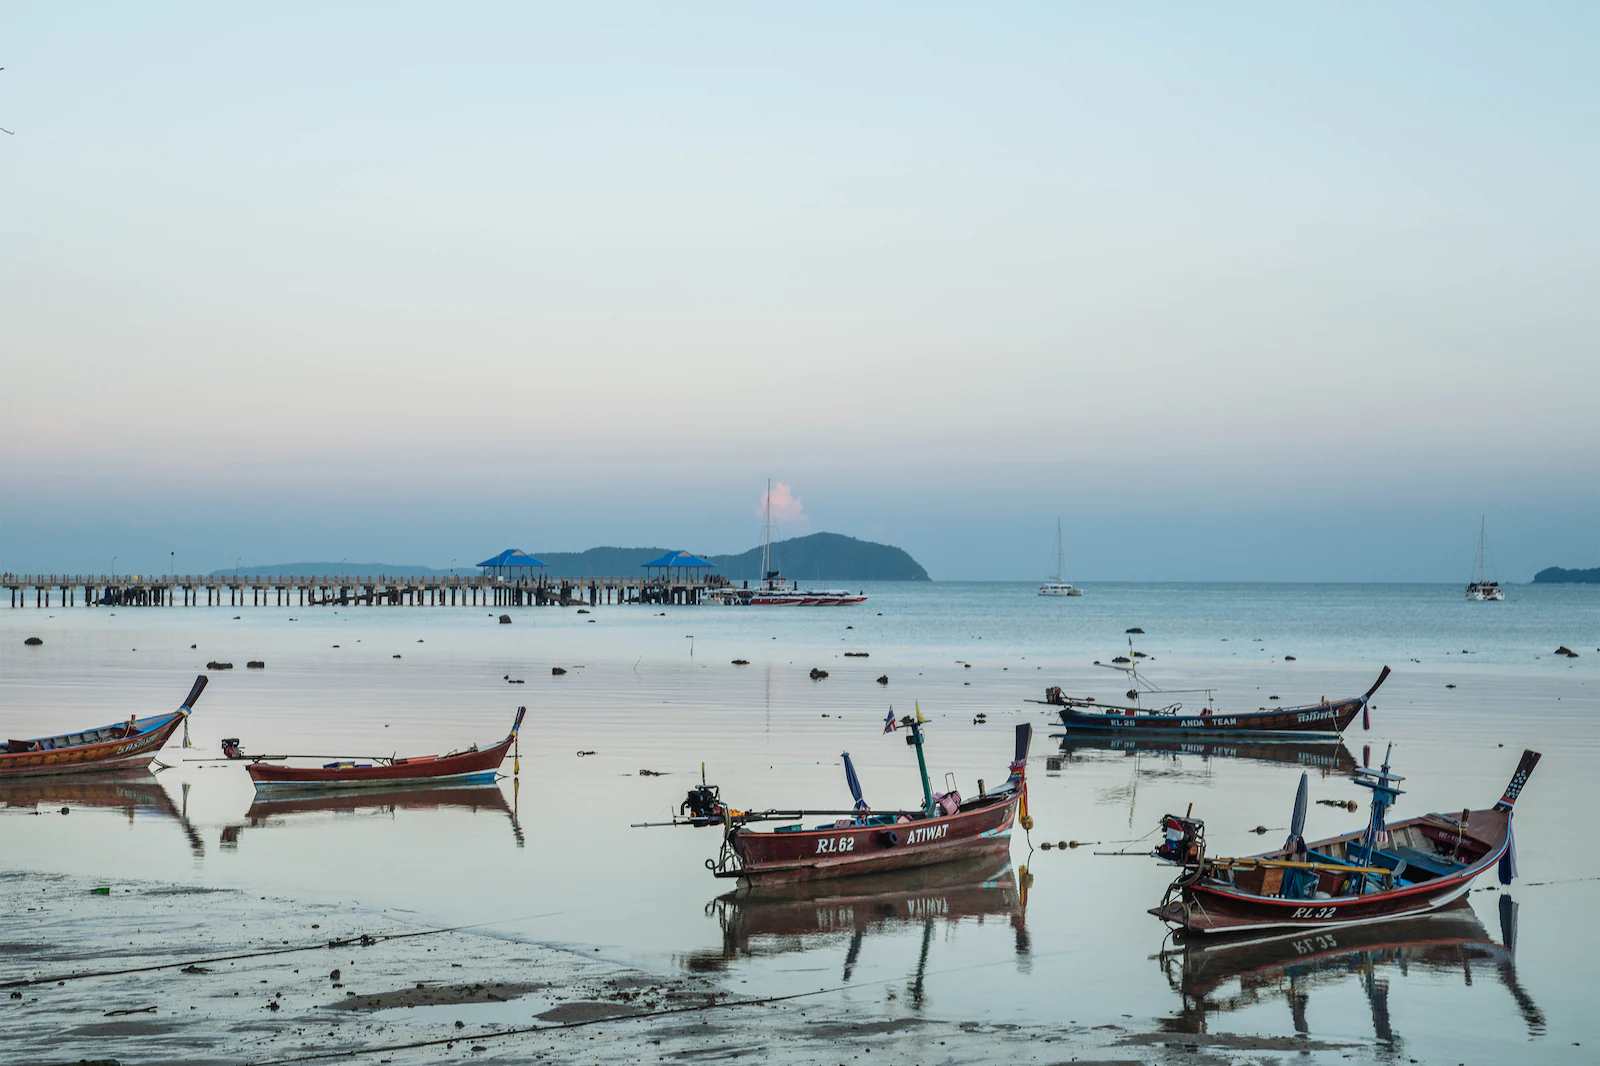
(325, 590)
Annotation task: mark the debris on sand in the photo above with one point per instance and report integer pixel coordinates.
(652, 773)
(255, 664)
(557, 671)
(855, 655)
(1135, 629)
(883, 679)
(818, 675)
(505, 619)
(214, 665)
(741, 662)
(33, 642)
(1568, 652)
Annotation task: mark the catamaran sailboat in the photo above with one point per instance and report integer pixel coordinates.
(1483, 589)
(1057, 586)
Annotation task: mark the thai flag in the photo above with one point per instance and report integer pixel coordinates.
(889, 724)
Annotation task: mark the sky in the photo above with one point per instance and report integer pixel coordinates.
(1259, 292)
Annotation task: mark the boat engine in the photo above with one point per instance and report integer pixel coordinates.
(1052, 695)
(230, 748)
(1183, 839)
(703, 804)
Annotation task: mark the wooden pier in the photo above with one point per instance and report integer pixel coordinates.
(324, 590)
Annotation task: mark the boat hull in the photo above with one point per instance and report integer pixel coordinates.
(1324, 721)
(125, 753)
(817, 854)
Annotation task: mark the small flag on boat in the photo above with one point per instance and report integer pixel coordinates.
(920, 720)
(889, 724)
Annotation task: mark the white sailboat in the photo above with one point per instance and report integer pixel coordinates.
(1483, 589)
(1058, 585)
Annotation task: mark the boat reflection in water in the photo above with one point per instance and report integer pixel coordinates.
(1215, 977)
(133, 792)
(778, 919)
(287, 806)
(1328, 757)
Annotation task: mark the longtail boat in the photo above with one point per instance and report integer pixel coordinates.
(458, 767)
(1375, 874)
(1316, 721)
(121, 746)
(860, 840)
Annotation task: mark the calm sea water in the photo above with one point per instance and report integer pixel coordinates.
(549, 856)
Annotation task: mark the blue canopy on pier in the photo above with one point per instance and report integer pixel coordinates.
(679, 559)
(508, 562)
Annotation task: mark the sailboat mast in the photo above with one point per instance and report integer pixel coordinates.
(1482, 529)
(1061, 555)
(766, 538)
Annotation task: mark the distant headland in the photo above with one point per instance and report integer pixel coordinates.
(818, 557)
(1555, 575)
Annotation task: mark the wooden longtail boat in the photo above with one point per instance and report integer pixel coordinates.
(122, 746)
(1379, 873)
(944, 828)
(458, 767)
(1325, 720)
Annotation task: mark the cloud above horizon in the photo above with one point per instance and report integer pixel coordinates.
(786, 506)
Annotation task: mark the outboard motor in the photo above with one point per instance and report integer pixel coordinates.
(1183, 839)
(1052, 695)
(703, 804)
(230, 748)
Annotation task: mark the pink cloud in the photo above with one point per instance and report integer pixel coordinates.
(786, 506)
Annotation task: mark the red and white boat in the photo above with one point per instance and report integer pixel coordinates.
(458, 767)
(120, 746)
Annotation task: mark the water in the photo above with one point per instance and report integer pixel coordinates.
(549, 856)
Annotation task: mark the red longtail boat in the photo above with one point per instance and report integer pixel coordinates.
(860, 840)
(121, 746)
(458, 767)
(1379, 873)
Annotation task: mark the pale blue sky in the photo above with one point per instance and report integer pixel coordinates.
(1253, 293)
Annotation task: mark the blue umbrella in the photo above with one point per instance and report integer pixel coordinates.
(1297, 824)
(854, 782)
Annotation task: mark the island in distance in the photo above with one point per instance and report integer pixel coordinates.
(1555, 575)
(818, 557)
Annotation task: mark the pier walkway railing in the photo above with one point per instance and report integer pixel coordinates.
(311, 590)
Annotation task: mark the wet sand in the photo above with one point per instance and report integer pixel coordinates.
(235, 977)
